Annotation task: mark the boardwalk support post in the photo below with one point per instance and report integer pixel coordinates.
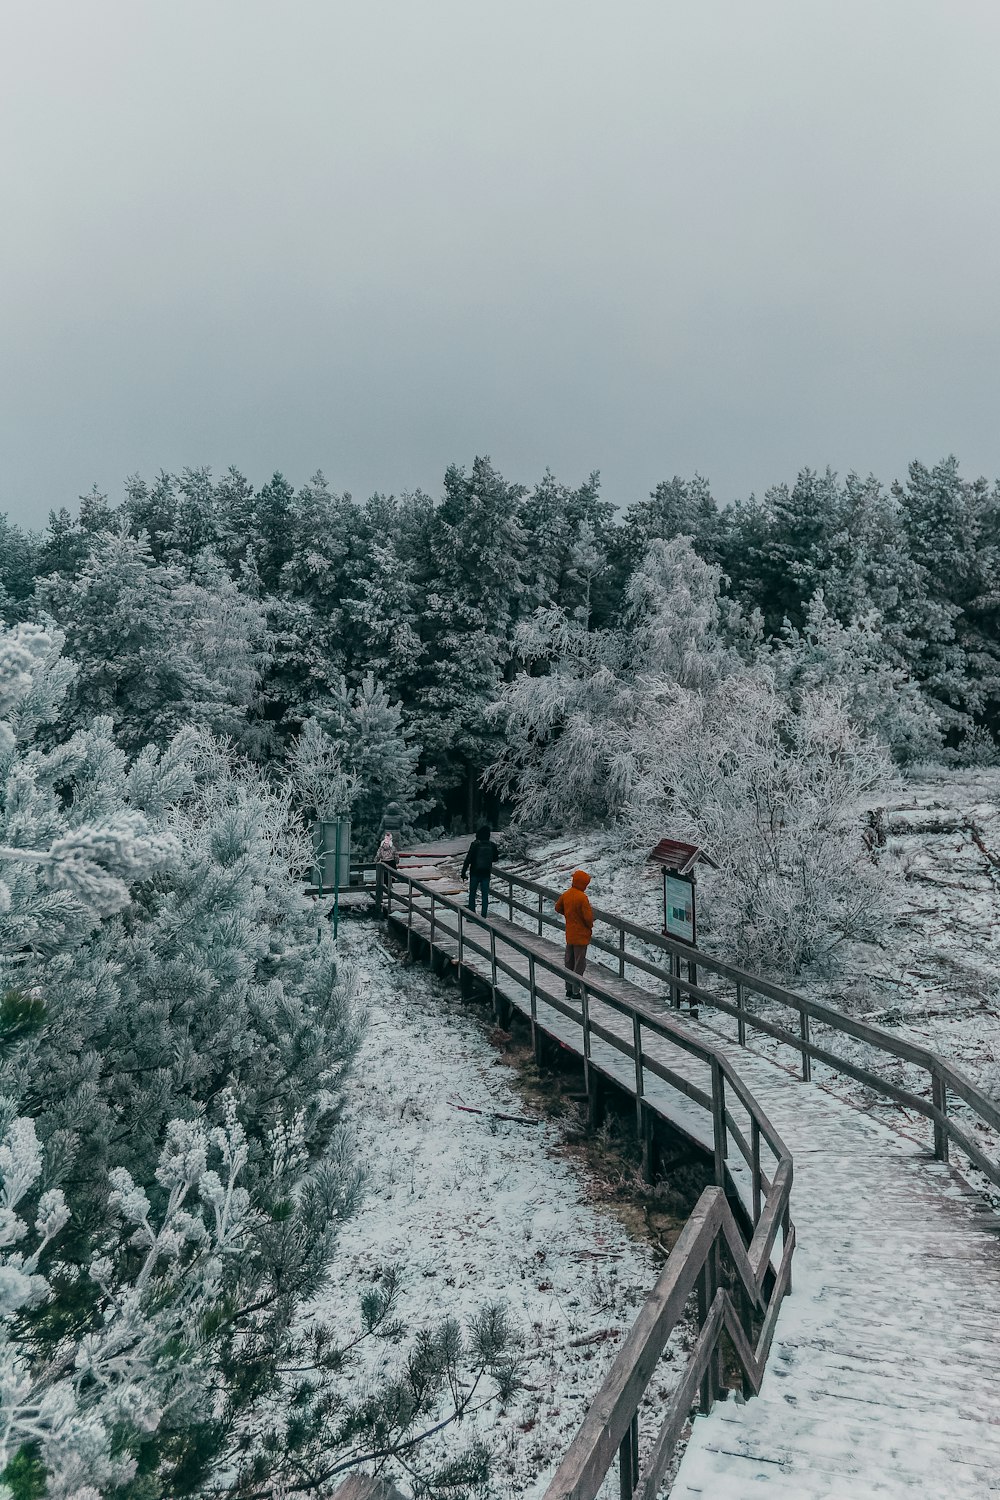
(807, 1068)
(939, 1098)
(585, 1005)
(628, 1461)
(741, 1023)
(719, 1122)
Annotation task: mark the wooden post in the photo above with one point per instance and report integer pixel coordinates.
(585, 1007)
(675, 993)
(718, 1381)
(621, 953)
(637, 1044)
(533, 1003)
(541, 924)
(807, 1069)
(628, 1461)
(705, 1294)
(786, 1225)
(939, 1098)
(433, 905)
(461, 935)
(719, 1122)
(510, 899)
(755, 1153)
(493, 959)
(741, 1025)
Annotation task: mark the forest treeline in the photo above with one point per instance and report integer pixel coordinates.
(396, 621)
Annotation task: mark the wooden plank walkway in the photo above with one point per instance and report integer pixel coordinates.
(884, 1376)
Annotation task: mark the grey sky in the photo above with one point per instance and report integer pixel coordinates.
(635, 235)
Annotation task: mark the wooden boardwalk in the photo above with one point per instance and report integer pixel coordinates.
(884, 1376)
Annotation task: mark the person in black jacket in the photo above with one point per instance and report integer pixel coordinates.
(479, 861)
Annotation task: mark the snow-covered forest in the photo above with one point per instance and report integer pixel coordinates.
(187, 679)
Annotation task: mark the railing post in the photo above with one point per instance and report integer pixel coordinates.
(621, 953)
(741, 1024)
(786, 1224)
(705, 1294)
(719, 1121)
(755, 1154)
(675, 969)
(493, 962)
(718, 1381)
(540, 922)
(461, 935)
(939, 1098)
(510, 899)
(585, 1005)
(533, 1003)
(637, 1044)
(628, 1461)
(807, 1068)
(433, 904)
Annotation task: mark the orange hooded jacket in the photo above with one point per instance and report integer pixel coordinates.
(574, 906)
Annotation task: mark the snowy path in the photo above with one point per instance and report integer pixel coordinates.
(882, 1380)
(475, 1210)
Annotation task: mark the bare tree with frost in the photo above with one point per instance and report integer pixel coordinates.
(666, 724)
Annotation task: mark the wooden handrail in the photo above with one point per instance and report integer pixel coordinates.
(711, 1236)
(944, 1076)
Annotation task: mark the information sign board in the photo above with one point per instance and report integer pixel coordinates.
(678, 907)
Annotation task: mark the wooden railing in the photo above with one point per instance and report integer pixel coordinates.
(944, 1078)
(740, 1282)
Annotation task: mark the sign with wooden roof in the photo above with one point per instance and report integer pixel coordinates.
(674, 854)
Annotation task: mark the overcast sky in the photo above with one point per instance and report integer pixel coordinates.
(647, 237)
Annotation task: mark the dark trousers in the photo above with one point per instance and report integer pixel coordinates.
(575, 959)
(482, 883)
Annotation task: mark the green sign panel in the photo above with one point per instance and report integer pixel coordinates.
(678, 903)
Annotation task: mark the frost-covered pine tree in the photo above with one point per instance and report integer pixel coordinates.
(161, 983)
(368, 744)
(158, 648)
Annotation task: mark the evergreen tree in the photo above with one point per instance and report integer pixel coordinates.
(950, 611)
(371, 746)
(272, 530)
(474, 598)
(18, 569)
(156, 651)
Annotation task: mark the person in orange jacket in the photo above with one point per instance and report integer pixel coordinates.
(574, 906)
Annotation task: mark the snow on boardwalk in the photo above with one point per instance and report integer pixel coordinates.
(883, 1376)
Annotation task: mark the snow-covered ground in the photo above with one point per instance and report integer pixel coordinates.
(934, 981)
(476, 1210)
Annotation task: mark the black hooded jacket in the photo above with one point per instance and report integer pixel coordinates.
(482, 856)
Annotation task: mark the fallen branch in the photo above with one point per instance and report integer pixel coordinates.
(494, 1114)
(594, 1338)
